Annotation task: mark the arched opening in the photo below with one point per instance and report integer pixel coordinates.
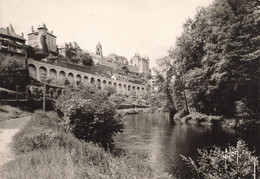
(62, 77)
(53, 74)
(42, 73)
(78, 79)
(92, 80)
(110, 83)
(129, 88)
(32, 71)
(104, 83)
(120, 88)
(99, 83)
(85, 80)
(138, 90)
(71, 78)
(133, 89)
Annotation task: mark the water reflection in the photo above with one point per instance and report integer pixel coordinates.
(154, 134)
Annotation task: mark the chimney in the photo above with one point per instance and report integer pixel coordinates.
(52, 32)
(32, 29)
(8, 30)
(22, 34)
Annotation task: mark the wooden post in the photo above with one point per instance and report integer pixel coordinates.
(44, 97)
(17, 90)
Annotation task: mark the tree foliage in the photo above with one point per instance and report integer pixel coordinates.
(87, 59)
(13, 73)
(217, 57)
(89, 115)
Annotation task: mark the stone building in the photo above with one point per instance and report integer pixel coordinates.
(71, 48)
(12, 44)
(35, 38)
(141, 62)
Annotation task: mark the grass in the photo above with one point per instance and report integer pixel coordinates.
(9, 112)
(45, 150)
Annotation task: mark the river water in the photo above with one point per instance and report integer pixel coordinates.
(153, 133)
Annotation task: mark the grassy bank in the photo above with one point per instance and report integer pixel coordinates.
(45, 150)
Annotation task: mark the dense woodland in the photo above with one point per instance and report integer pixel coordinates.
(215, 61)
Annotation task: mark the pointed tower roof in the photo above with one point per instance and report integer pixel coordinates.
(99, 44)
(11, 27)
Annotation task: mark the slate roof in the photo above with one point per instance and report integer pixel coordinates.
(11, 33)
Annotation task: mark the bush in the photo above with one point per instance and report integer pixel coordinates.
(89, 115)
(234, 162)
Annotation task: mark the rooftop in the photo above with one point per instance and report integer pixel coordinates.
(11, 32)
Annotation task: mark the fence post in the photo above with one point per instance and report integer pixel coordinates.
(17, 90)
(44, 96)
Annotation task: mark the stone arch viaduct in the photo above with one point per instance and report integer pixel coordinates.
(42, 70)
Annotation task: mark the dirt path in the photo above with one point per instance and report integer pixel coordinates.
(8, 129)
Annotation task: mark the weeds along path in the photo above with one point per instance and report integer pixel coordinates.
(8, 129)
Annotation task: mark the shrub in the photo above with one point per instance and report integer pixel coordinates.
(234, 162)
(89, 115)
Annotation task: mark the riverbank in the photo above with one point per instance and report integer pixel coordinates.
(134, 110)
(237, 123)
(45, 149)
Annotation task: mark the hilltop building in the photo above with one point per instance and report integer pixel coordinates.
(141, 62)
(35, 38)
(136, 65)
(12, 44)
(70, 49)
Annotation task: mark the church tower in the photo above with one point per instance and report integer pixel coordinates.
(99, 49)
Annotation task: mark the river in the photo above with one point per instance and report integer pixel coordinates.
(163, 141)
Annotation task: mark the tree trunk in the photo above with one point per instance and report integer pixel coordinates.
(170, 102)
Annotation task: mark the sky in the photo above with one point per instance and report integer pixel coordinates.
(124, 27)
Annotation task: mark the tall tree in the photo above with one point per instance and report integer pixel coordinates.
(218, 56)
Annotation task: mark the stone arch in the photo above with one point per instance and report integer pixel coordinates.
(120, 88)
(133, 89)
(129, 88)
(53, 74)
(124, 88)
(142, 90)
(99, 83)
(32, 71)
(78, 79)
(138, 90)
(62, 76)
(104, 83)
(92, 80)
(71, 78)
(42, 73)
(110, 83)
(85, 80)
